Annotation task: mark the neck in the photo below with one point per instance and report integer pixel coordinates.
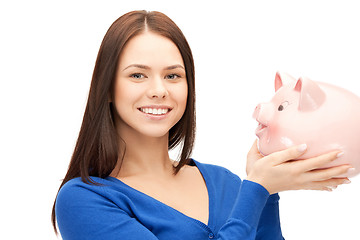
(143, 155)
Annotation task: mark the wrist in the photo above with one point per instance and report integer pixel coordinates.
(259, 182)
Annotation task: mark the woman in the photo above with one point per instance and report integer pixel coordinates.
(121, 182)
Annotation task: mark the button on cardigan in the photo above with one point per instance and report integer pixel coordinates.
(238, 210)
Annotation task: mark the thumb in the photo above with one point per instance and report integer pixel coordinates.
(254, 153)
(252, 156)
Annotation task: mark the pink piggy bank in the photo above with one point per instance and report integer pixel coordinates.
(323, 116)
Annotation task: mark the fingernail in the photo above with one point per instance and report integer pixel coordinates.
(302, 147)
(346, 182)
(339, 154)
(350, 170)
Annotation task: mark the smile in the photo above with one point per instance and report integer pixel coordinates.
(155, 111)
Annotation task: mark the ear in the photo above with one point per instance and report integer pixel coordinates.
(283, 79)
(311, 95)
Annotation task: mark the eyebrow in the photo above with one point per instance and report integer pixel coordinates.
(147, 67)
(174, 67)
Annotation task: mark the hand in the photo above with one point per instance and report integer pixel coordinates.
(279, 171)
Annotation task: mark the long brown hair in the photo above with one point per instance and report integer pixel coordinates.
(97, 148)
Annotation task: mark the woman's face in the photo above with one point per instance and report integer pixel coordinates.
(150, 86)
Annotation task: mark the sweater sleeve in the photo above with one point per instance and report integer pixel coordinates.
(269, 224)
(248, 213)
(83, 214)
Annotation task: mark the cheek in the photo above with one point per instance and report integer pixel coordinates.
(180, 94)
(125, 90)
(125, 95)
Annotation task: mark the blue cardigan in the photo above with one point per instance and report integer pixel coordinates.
(238, 210)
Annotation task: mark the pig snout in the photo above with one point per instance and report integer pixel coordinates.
(263, 113)
(256, 111)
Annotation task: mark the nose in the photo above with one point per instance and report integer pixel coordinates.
(157, 88)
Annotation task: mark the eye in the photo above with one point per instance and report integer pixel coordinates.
(172, 76)
(137, 75)
(282, 106)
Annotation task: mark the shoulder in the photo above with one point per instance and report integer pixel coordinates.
(81, 202)
(77, 184)
(75, 192)
(96, 210)
(215, 169)
(218, 173)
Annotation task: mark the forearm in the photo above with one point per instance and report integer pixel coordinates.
(246, 214)
(269, 225)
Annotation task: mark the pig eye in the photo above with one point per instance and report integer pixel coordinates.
(283, 106)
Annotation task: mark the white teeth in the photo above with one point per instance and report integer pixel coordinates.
(155, 111)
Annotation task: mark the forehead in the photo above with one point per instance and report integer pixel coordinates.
(150, 49)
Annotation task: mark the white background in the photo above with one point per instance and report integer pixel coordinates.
(47, 55)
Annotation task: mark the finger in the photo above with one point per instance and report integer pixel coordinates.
(328, 185)
(254, 151)
(328, 173)
(288, 154)
(319, 161)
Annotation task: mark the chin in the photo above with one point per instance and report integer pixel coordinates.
(154, 133)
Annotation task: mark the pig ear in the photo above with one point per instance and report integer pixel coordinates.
(311, 95)
(283, 79)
